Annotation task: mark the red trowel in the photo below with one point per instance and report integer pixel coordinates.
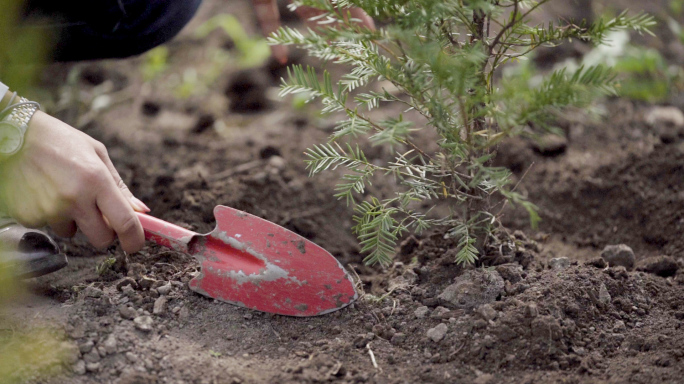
(256, 264)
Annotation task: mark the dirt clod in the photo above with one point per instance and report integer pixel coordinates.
(619, 255)
(664, 266)
(471, 289)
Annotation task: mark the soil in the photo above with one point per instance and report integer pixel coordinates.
(545, 307)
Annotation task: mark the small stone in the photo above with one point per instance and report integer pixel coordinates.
(175, 310)
(128, 291)
(126, 281)
(437, 333)
(619, 255)
(559, 263)
(86, 347)
(531, 310)
(619, 326)
(110, 344)
(127, 312)
(93, 292)
(131, 357)
(143, 323)
(276, 162)
(79, 368)
(597, 262)
(421, 312)
(398, 338)
(248, 316)
(439, 312)
(603, 295)
(663, 266)
(159, 305)
(550, 145)
(165, 289)
(667, 122)
(487, 312)
(92, 357)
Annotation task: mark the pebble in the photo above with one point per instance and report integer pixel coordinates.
(437, 333)
(276, 162)
(159, 305)
(128, 291)
(127, 312)
(531, 310)
(603, 295)
(421, 312)
(165, 289)
(110, 344)
(619, 255)
(619, 326)
(398, 338)
(79, 368)
(487, 312)
(665, 118)
(143, 323)
(86, 347)
(176, 309)
(559, 263)
(133, 358)
(439, 312)
(92, 357)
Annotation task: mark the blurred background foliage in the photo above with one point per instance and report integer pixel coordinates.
(25, 352)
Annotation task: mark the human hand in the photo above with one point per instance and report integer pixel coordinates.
(64, 178)
(269, 20)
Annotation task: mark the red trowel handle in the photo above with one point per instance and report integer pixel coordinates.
(165, 234)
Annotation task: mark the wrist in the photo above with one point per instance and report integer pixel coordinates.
(5, 99)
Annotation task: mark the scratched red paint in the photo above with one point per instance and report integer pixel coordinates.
(254, 263)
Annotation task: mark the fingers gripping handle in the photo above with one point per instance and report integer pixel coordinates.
(165, 234)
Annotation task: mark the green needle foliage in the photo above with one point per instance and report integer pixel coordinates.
(443, 56)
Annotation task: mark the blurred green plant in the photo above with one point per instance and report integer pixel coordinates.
(25, 353)
(155, 62)
(22, 50)
(252, 51)
(442, 56)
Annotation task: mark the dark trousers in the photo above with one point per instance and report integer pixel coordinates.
(99, 29)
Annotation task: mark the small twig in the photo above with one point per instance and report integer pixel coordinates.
(235, 170)
(372, 356)
(514, 188)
